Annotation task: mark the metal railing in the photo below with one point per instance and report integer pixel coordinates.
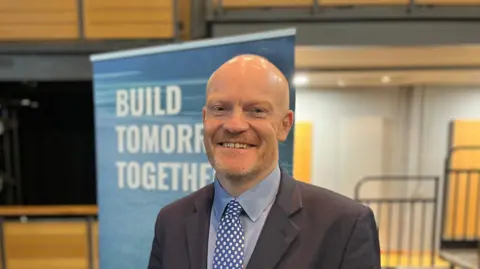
(218, 6)
(406, 224)
(220, 10)
(10, 172)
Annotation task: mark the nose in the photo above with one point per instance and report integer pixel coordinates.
(236, 123)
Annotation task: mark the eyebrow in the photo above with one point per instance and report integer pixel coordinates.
(220, 99)
(266, 104)
(214, 100)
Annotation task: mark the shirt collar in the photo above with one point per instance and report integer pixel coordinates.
(254, 201)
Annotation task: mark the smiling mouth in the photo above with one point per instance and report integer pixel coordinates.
(236, 145)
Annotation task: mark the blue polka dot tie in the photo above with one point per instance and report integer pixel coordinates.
(229, 248)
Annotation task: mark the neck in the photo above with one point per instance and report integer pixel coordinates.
(237, 185)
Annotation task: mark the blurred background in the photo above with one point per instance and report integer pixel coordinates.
(387, 111)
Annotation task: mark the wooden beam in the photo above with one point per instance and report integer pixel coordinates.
(12, 211)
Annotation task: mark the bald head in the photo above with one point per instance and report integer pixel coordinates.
(245, 116)
(251, 71)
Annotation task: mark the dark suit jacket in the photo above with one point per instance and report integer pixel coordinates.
(307, 227)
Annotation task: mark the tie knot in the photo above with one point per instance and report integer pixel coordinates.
(234, 208)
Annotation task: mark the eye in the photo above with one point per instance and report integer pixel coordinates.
(258, 111)
(217, 109)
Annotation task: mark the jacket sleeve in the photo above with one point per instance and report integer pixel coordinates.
(363, 248)
(156, 253)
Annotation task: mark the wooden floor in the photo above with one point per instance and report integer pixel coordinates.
(416, 260)
(467, 259)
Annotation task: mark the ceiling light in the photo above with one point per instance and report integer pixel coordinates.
(386, 79)
(300, 80)
(25, 102)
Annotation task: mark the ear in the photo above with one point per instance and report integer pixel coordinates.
(204, 113)
(286, 126)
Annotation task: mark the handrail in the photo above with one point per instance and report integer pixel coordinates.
(380, 178)
(60, 210)
(410, 204)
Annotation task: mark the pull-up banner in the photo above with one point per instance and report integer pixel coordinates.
(149, 132)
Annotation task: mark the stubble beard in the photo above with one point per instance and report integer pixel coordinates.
(235, 175)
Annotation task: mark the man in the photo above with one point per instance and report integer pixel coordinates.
(255, 215)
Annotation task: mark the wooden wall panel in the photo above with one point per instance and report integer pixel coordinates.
(37, 32)
(96, 245)
(52, 245)
(49, 5)
(38, 20)
(32, 18)
(128, 19)
(302, 151)
(185, 13)
(148, 4)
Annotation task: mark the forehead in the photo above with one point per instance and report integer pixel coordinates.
(243, 84)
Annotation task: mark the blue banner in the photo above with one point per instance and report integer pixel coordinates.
(149, 132)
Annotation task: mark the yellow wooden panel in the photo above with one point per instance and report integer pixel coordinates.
(15, 18)
(127, 19)
(95, 245)
(362, 2)
(46, 245)
(22, 5)
(466, 133)
(265, 3)
(447, 2)
(153, 16)
(38, 32)
(39, 20)
(462, 207)
(184, 7)
(48, 264)
(302, 154)
(129, 4)
(56, 210)
(121, 31)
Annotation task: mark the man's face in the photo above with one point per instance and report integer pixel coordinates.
(243, 123)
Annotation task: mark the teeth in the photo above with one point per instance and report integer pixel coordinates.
(235, 145)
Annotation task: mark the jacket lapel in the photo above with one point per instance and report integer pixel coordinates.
(197, 229)
(279, 230)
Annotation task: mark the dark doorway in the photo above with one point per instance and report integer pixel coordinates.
(56, 141)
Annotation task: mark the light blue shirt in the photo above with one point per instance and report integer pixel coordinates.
(256, 204)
